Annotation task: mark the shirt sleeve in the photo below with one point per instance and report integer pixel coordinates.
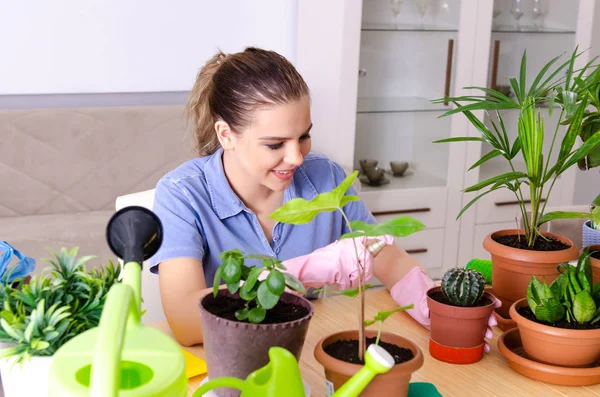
(182, 230)
(355, 210)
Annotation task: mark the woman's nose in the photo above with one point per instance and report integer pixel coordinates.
(294, 157)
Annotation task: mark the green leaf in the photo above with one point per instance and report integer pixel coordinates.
(242, 314)
(369, 322)
(523, 75)
(400, 226)
(460, 139)
(466, 207)
(232, 270)
(234, 253)
(507, 177)
(534, 292)
(233, 287)
(247, 293)
(257, 315)
(217, 280)
(346, 199)
(11, 331)
(486, 157)
(253, 277)
(293, 283)
(584, 307)
(583, 151)
(552, 216)
(276, 282)
(38, 344)
(353, 292)
(266, 298)
(383, 315)
(550, 311)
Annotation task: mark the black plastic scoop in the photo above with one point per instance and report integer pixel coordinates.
(134, 234)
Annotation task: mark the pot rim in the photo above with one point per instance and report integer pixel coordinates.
(487, 294)
(523, 255)
(547, 329)
(260, 326)
(350, 369)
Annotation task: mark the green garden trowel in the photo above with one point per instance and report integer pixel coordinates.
(281, 376)
(121, 357)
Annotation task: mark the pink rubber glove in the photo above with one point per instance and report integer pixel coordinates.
(334, 263)
(413, 288)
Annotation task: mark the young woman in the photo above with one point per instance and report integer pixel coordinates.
(250, 112)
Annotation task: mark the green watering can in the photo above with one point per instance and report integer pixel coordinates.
(123, 358)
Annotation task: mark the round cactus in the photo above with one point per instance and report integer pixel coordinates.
(463, 287)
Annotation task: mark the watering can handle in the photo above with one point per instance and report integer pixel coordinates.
(234, 383)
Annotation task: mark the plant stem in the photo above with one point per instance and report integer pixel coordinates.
(379, 332)
(361, 295)
(521, 202)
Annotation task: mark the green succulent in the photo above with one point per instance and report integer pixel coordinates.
(463, 287)
(36, 319)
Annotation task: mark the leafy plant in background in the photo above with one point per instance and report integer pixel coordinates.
(555, 84)
(260, 295)
(36, 319)
(300, 211)
(571, 296)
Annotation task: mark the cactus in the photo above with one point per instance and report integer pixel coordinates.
(463, 287)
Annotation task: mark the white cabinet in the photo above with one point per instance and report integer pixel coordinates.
(372, 93)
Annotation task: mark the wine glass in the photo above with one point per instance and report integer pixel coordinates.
(517, 11)
(422, 9)
(396, 8)
(539, 11)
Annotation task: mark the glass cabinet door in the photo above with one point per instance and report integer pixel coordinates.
(407, 58)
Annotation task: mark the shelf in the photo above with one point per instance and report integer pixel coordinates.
(530, 29)
(401, 27)
(397, 104)
(412, 179)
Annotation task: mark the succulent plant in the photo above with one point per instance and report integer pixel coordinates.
(463, 287)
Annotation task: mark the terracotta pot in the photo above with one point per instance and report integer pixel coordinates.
(595, 263)
(457, 333)
(556, 346)
(504, 323)
(512, 268)
(236, 349)
(393, 383)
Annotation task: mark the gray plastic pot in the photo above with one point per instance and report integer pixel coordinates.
(236, 349)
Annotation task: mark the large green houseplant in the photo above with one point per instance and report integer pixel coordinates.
(556, 83)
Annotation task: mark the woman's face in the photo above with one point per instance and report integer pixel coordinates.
(275, 143)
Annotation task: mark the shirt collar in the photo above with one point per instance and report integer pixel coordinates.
(224, 201)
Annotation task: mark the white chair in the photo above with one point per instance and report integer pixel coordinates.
(150, 289)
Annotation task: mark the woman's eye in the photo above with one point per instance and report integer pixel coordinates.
(275, 147)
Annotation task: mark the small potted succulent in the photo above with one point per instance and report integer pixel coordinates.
(459, 312)
(591, 228)
(559, 323)
(36, 319)
(340, 364)
(254, 313)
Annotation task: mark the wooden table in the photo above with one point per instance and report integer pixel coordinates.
(490, 377)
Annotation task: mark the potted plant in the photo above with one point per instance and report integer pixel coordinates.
(38, 318)
(339, 368)
(591, 228)
(518, 254)
(459, 311)
(559, 324)
(254, 313)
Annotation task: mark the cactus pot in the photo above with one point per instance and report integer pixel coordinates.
(556, 346)
(393, 383)
(457, 333)
(512, 268)
(236, 349)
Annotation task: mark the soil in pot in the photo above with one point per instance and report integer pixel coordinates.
(438, 296)
(519, 241)
(528, 314)
(226, 306)
(347, 350)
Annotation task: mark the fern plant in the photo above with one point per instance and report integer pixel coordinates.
(36, 319)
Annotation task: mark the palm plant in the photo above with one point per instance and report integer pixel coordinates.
(560, 84)
(38, 318)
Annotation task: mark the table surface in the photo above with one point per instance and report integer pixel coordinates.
(489, 377)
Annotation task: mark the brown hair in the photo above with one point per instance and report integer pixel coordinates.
(231, 87)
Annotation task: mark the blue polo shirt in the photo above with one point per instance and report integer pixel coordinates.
(202, 216)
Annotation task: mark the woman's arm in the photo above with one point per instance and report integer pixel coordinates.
(182, 285)
(392, 264)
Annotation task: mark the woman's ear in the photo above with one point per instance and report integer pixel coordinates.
(225, 135)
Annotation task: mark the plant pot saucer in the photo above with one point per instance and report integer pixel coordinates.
(366, 181)
(213, 394)
(405, 173)
(511, 347)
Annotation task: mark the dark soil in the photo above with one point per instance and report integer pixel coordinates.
(347, 350)
(438, 296)
(541, 244)
(528, 314)
(226, 306)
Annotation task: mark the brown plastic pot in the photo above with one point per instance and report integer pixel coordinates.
(393, 383)
(556, 346)
(595, 263)
(504, 323)
(457, 333)
(512, 268)
(236, 349)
